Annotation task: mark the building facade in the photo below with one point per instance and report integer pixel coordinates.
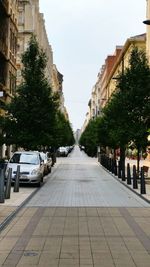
(122, 61)
(100, 94)
(8, 47)
(8, 53)
(57, 85)
(106, 80)
(31, 21)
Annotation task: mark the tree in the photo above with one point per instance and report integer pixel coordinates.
(126, 116)
(32, 111)
(134, 87)
(63, 132)
(89, 138)
(116, 118)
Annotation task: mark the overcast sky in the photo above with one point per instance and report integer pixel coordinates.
(82, 33)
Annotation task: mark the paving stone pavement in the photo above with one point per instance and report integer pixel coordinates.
(81, 217)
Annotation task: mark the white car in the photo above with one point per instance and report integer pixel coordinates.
(47, 162)
(31, 167)
(62, 151)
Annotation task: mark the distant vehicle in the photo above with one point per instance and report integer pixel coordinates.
(31, 167)
(62, 151)
(46, 157)
(82, 148)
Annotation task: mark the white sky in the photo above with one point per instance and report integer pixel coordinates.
(82, 33)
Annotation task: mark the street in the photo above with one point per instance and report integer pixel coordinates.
(80, 217)
(79, 181)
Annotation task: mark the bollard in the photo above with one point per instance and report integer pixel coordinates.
(8, 184)
(123, 176)
(143, 187)
(128, 174)
(99, 158)
(119, 169)
(2, 195)
(115, 167)
(135, 184)
(105, 162)
(112, 165)
(109, 164)
(16, 184)
(53, 158)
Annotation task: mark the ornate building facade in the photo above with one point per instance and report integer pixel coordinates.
(31, 21)
(8, 48)
(8, 53)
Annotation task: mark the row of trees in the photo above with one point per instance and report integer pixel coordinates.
(125, 120)
(33, 120)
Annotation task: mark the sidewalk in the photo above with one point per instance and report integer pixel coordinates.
(11, 206)
(142, 163)
(137, 191)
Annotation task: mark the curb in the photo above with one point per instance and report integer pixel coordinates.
(121, 182)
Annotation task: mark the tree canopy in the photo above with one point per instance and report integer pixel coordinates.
(126, 117)
(31, 114)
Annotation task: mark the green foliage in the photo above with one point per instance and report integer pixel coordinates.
(134, 86)
(89, 138)
(31, 113)
(126, 116)
(63, 132)
(127, 113)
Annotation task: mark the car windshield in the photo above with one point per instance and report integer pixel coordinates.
(25, 158)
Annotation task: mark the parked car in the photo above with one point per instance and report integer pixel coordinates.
(46, 157)
(82, 148)
(31, 167)
(62, 151)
